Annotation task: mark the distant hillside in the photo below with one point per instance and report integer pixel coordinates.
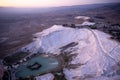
(81, 8)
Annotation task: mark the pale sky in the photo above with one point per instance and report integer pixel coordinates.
(49, 3)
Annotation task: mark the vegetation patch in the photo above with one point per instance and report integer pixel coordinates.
(15, 57)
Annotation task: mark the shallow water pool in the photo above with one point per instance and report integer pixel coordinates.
(47, 64)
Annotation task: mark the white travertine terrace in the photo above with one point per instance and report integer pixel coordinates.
(97, 53)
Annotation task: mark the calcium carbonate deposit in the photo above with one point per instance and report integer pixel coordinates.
(97, 57)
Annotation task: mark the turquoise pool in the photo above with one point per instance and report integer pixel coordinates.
(47, 64)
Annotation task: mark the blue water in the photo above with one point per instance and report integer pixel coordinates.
(48, 64)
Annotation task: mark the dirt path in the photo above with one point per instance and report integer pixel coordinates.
(100, 46)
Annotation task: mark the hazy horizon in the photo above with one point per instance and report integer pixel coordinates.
(49, 3)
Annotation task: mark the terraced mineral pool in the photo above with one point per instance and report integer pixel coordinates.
(36, 66)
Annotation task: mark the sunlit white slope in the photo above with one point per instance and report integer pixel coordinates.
(97, 55)
(55, 37)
